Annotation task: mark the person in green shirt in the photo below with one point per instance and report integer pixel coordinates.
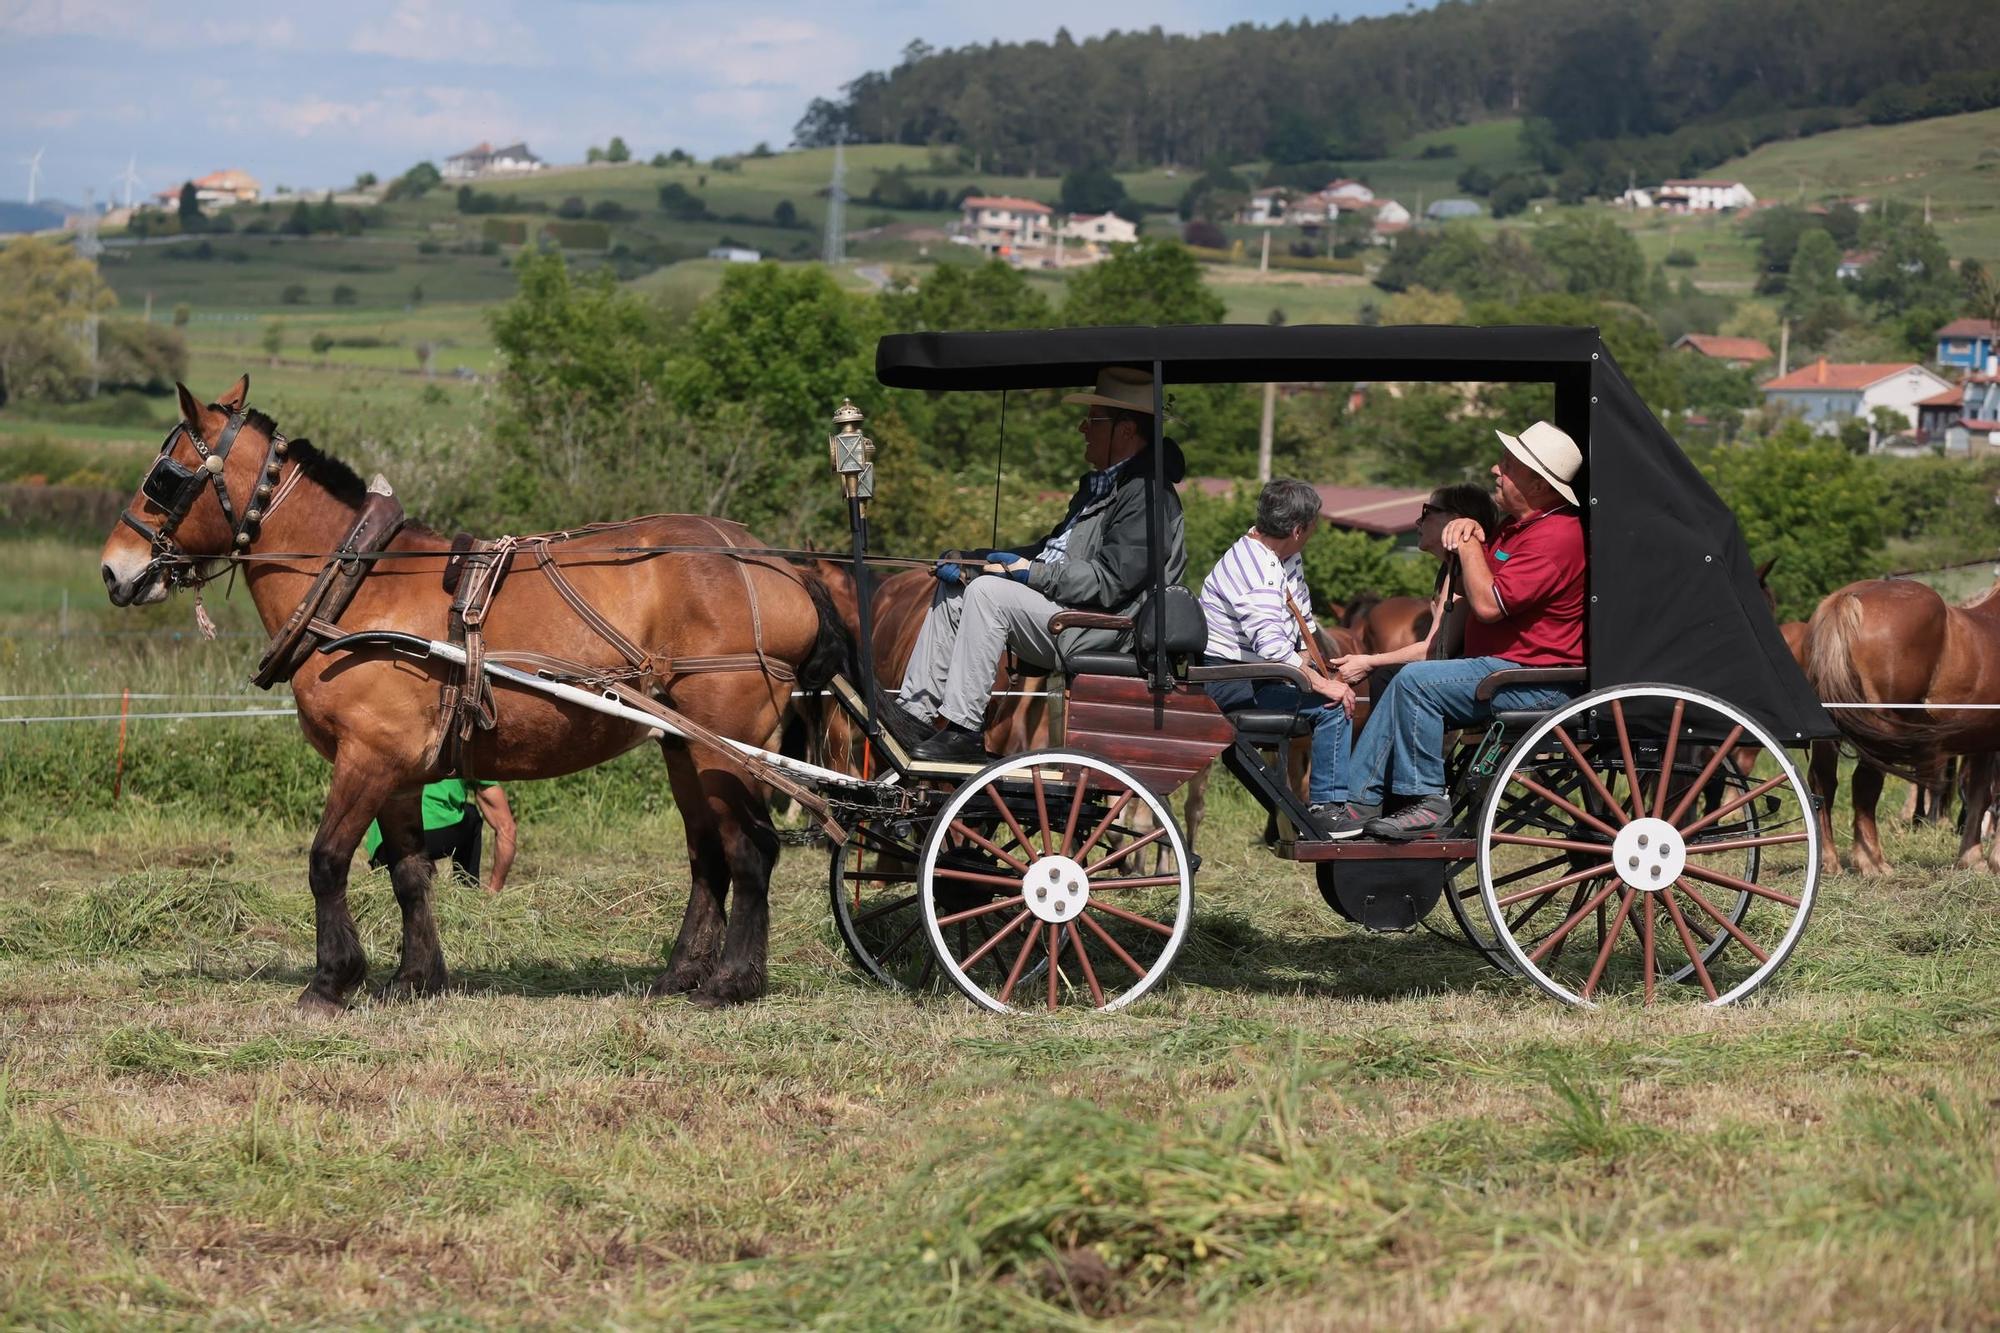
(455, 815)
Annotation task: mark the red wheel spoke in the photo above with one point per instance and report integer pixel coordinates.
(1735, 931)
(1075, 809)
(1560, 844)
(1083, 962)
(1646, 963)
(1133, 917)
(1687, 942)
(1013, 824)
(1575, 811)
(1707, 772)
(1126, 850)
(978, 839)
(1117, 808)
(1667, 761)
(1114, 946)
(1738, 844)
(1041, 808)
(1055, 953)
(994, 939)
(997, 905)
(1574, 877)
(1740, 885)
(1556, 936)
(979, 877)
(1020, 961)
(1610, 941)
(1590, 774)
(1133, 882)
(1625, 751)
(1730, 809)
(884, 910)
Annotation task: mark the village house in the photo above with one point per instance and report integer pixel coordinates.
(1735, 353)
(1827, 394)
(1001, 224)
(486, 160)
(1967, 344)
(1348, 193)
(1852, 262)
(218, 189)
(1704, 196)
(1267, 208)
(1097, 229)
(1977, 428)
(1447, 210)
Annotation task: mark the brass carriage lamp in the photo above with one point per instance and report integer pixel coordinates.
(853, 454)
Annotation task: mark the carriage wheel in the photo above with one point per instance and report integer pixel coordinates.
(1656, 880)
(1048, 844)
(1528, 814)
(872, 880)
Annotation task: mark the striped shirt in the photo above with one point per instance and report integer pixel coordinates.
(1244, 600)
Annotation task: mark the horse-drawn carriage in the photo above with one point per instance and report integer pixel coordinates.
(1651, 835)
(1650, 832)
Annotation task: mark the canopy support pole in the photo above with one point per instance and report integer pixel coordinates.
(1162, 676)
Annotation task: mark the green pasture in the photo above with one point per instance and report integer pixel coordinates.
(251, 273)
(1305, 1125)
(1952, 160)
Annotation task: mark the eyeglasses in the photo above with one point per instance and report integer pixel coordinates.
(1100, 421)
(1427, 511)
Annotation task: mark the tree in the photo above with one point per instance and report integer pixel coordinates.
(1092, 189)
(1217, 193)
(785, 214)
(365, 181)
(274, 339)
(1513, 194)
(344, 295)
(1807, 501)
(1476, 180)
(1294, 138)
(190, 207)
(572, 207)
(46, 290)
(1813, 282)
(678, 202)
(413, 183)
(1152, 282)
(1595, 257)
(1421, 305)
(616, 151)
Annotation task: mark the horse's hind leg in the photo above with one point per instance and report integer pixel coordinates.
(699, 946)
(339, 964)
(1867, 790)
(1976, 782)
(410, 871)
(1823, 778)
(752, 849)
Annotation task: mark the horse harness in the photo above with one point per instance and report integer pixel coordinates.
(174, 488)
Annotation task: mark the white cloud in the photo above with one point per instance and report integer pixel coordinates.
(422, 120)
(149, 25)
(436, 30)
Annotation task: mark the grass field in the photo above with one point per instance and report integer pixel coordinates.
(1306, 1126)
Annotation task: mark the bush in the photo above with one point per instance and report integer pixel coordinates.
(571, 207)
(344, 294)
(578, 235)
(322, 343)
(293, 294)
(682, 204)
(1205, 235)
(428, 247)
(609, 210)
(1434, 151)
(1679, 258)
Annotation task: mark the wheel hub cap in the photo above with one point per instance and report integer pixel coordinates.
(1055, 888)
(1649, 854)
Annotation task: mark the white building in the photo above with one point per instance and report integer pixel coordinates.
(1267, 208)
(486, 160)
(735, 254)
(1704, 196)
(1827, 394)
(1391, 213)
(1001, 224)
(1348, 193)
(1098, 229)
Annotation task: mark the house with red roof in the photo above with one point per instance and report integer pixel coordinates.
(1970, 418)
(1004, 225)
(1829, 393)
(1969, 344)
(1735, 353)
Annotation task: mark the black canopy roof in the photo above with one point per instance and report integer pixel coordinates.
(1673, 595)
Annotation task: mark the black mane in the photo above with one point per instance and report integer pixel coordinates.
(340, 480)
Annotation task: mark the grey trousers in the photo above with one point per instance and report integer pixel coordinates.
(958, 650)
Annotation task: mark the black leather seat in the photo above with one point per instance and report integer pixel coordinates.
(1269, 725)
(1101, 663)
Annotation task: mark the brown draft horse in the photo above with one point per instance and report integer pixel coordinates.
(1898, 641)
(375, 716)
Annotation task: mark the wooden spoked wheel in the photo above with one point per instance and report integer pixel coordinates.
(1080, 903)
(872, 881)
(1531, 815)
(1601, 879)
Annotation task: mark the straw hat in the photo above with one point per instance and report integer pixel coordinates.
(1550, 453)
(1117, 386)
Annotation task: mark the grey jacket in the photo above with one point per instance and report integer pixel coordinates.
(1107, 566)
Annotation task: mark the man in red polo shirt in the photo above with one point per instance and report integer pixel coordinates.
(1525, 592)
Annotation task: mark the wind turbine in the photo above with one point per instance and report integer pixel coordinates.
(131, 178)
(34, 172)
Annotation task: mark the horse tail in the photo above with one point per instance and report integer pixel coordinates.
(833, 647)
(1904, 748)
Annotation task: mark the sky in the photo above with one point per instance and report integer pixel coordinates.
(311, 95)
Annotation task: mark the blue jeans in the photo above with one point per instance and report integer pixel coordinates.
(1401, 750)
(1331, 737)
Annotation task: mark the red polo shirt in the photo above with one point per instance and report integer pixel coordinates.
(1537, 566)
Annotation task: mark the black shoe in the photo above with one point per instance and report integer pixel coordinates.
(1350, 821)
(908, 729)
(953, 745)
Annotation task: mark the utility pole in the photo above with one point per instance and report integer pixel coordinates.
(1784, 347)
(1264, 261)
(1265, 425)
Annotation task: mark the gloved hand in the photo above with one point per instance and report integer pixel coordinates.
(1006, 562)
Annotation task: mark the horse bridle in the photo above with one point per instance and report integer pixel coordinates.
(174, 489)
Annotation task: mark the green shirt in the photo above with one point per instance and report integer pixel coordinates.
(445, 804)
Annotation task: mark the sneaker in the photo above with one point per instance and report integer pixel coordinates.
(1424, 817)
(1347, 821)
(953, 745)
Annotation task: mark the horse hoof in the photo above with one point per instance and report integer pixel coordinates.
(727, 988)
(678, 981)
(416, 987)
(319, 1006)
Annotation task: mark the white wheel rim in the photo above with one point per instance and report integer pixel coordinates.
(1061, 904)
(1526, 747)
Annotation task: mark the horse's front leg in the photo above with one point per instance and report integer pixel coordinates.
(751, 846)
(359, 787)
(411, 870)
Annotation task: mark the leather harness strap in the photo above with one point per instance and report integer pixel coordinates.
(380, 519)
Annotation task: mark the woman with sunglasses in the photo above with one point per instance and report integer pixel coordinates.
(1446, 636)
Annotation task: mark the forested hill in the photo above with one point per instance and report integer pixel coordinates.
(1581, 70)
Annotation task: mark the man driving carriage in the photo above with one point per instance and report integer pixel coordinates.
(1094, 559)
(1525, 591)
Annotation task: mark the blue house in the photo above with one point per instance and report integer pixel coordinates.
(1967, 344)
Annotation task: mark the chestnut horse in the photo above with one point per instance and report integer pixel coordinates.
(1898, 641)
(377, 717)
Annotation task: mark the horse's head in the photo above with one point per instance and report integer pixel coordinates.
(202, 497)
